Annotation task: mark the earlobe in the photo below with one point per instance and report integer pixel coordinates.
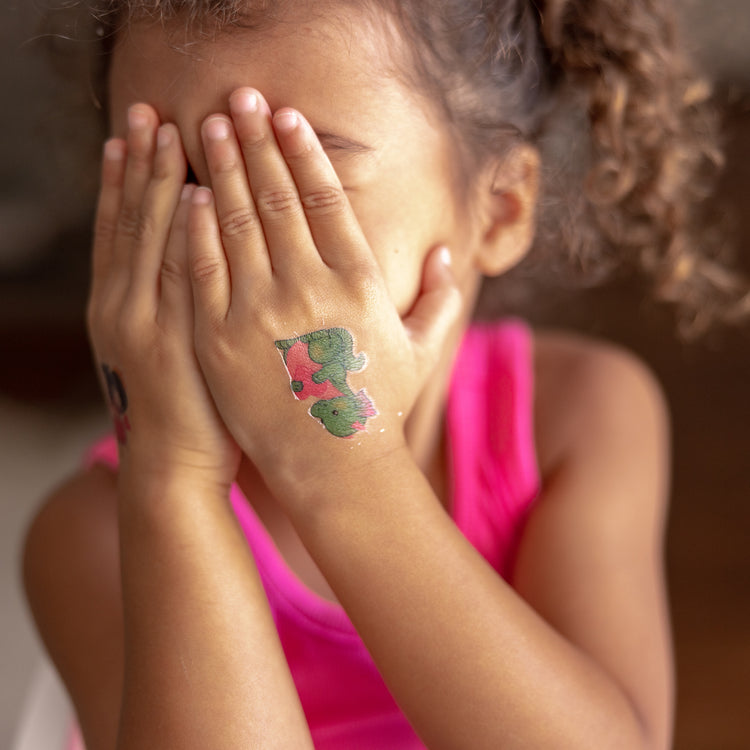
(510, 196)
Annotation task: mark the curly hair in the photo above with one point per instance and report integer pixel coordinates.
(654, 150)
(605, 91)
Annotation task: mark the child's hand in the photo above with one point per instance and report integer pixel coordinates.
(287, 289)
(141, 310)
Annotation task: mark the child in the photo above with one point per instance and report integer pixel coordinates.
(331, 522)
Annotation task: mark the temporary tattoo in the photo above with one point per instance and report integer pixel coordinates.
(318, 364)
(118, 403)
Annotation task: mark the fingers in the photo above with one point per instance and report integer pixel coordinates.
(176, 303)
(285, 227)
(276, 194)
(155, 217)
(107, 212)
(142, 178)
(239, 223)
(141, 143)
(260, 219)
(334, 228)
(436, 309)
(209, 270)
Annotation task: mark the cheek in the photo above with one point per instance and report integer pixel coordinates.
(400, 234)
(403, 225)
(402, 269)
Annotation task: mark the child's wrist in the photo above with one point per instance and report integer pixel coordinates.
(311, 480)
(153, 474)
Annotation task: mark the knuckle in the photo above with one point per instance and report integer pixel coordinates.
(163, 172)
(362, 272)
(266, 318)
(224, 166)
(104, 302)
(363, 279)
(205, 269)
(241, 221)
(252, 144)
(211, 345)
(140, 161)
(324, 200)
(308, 299)
(171, 271)
(277, 202)
(145, 229)
(127, 331)
(129, 220)
(104, 230)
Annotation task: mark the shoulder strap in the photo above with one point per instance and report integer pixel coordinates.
(494, 473)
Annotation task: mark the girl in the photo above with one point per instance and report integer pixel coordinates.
(325, 519)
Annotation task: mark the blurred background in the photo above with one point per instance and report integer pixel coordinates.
(49, 404)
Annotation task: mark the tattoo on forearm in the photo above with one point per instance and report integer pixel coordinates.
(117, 400)
(318, 364)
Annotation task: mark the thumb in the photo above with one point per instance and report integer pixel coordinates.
(437, 308)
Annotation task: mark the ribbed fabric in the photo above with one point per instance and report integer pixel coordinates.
(494, 479)
(495, 476)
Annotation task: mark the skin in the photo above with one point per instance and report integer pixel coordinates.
(192, 287)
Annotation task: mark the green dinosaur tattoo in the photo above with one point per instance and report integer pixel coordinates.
(318, 364)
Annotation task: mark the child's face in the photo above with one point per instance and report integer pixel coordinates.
(385, 142)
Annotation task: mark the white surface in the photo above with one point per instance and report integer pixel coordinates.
(38, 448)
(47, 715)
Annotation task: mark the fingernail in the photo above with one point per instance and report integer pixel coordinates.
(163, 137)
(244, 102)
(285, 121)
(217, 129)
(114, 149)
(445, 256)
(202, 196)
(137, 118)
(187, 191)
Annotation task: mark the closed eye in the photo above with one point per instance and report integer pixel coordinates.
(338, 143)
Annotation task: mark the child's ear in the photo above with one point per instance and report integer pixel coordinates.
(508, 205)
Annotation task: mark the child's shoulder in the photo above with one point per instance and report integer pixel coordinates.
(83, 504)
(71, 576)
(78, 519)
(591, 394)
(591, 557)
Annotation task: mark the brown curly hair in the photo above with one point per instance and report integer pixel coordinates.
(550, 72)
(654, 150)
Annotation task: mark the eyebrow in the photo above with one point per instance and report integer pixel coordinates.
(335, 142)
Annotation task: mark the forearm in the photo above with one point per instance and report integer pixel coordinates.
(203, 664)
(470, 663)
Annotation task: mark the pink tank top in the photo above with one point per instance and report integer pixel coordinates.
(493, 482)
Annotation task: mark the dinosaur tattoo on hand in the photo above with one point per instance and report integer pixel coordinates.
(318, 364)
